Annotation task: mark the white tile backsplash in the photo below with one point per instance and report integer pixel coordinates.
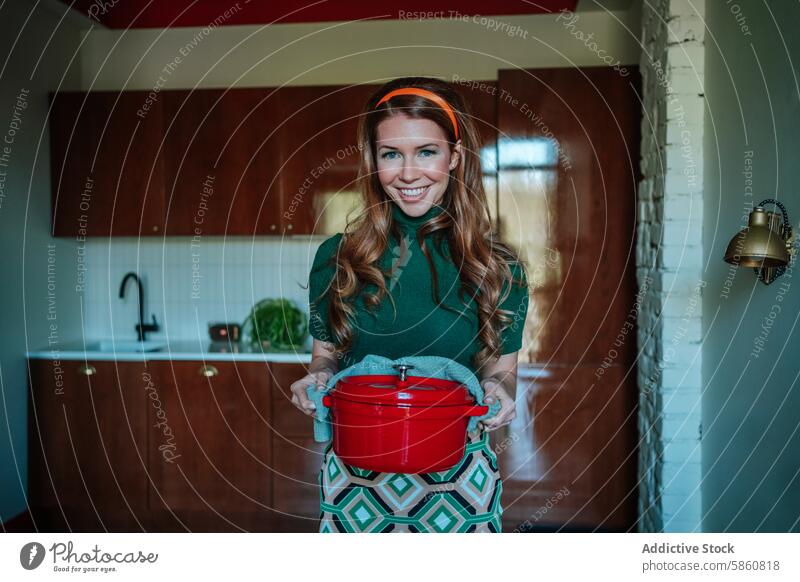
(188, 287)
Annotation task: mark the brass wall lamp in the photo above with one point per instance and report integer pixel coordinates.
(767, 244)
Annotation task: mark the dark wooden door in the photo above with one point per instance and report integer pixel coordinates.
(568, 157)
(106, 168)
(88, 445)
(222, 160)
(297, 458)
(210, 457)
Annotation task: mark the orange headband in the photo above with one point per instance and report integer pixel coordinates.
(428, 95)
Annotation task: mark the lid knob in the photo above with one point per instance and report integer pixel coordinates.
(402, 368)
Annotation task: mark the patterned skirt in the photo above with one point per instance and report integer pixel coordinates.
(465, 498)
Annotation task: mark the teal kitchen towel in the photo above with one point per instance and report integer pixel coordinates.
(427, 366)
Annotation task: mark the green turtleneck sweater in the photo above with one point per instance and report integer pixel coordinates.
(420, 326)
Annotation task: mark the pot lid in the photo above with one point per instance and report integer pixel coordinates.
(389, 390)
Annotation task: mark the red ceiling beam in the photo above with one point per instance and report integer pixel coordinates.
(198, 13)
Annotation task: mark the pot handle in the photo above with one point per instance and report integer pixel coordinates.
(476, 410)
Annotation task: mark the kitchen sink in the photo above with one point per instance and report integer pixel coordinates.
(119, 346)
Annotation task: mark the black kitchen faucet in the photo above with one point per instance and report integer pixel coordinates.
(141, 328)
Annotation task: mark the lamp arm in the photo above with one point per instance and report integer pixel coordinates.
(786, 226)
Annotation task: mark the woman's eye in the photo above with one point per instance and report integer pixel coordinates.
(391, 155)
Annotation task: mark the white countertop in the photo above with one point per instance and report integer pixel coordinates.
(172, 350)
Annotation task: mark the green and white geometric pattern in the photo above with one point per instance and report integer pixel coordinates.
(400, 490)
(465, 498)
(334, 477)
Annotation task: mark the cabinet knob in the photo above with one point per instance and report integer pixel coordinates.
(288, 227)
(155, 228)
(87, 370)
(208, 371)
(272, 227)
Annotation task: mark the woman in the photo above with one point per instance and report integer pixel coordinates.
(418, 273)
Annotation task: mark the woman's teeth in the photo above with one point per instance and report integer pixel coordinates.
(412, 192)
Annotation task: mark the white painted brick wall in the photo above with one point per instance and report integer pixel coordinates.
(684, 28)
(677, 184)
(687, 55)
(683, 232)
(686, 107)
(685, 8)
(680, 206)
(669, 251)
(680, 425)
(682, 448)
(685, 81)
(677, 257)
(682, 475)
(681, 398)
(680, 511)
(680, 328)
(681, 283)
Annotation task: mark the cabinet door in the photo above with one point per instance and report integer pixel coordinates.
(297, 458)
(106, 165)
(222, 162)
(210, 453)
(88, 452)
(568, 170)
(481, 98)
(321, 156)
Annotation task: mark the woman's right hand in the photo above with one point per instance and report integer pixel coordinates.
(300, 398)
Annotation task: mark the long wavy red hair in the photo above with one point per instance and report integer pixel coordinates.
(465, 223)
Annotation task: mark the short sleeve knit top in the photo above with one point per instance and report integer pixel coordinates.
(419, 326)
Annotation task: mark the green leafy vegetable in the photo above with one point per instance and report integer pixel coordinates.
(276, 324)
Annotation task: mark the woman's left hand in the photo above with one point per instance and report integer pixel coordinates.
(494, 391)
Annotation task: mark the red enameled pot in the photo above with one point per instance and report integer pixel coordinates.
(400, 424)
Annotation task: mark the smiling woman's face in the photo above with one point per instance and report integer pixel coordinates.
(414, 161)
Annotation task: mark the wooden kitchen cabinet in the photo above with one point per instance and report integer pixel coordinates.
(107, 171)
(170, 446)
(319, 139)
(223, 160)
(250, 161)
(297, 458)
(217, 475)
(87, 435)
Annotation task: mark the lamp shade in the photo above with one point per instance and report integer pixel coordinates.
(758, 245)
